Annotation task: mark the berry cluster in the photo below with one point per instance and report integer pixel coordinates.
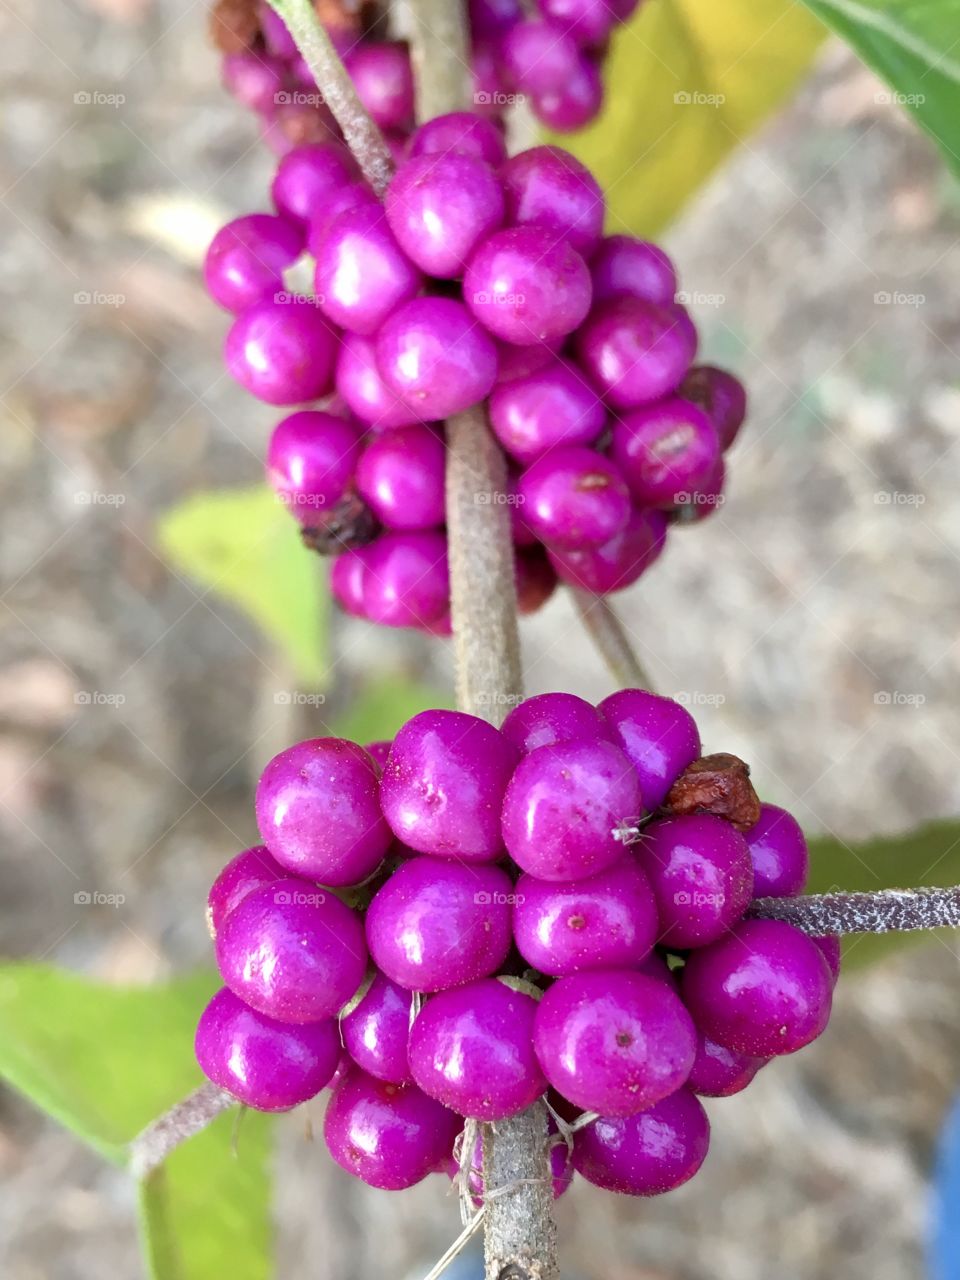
(478, 279)
(455, 924)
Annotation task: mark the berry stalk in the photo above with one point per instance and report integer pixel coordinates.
(150, 1148)
(886, 911)
(610, 638)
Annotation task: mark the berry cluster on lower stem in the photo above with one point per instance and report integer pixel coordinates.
(452, 925)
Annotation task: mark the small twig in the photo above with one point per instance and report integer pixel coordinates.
(457, 1247)
(360, 133)
(887, 911)
(610, 638)
(150, 1148)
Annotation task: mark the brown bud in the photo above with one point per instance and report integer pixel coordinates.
(718, 784)
(234, 25)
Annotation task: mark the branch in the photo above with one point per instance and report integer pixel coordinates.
(361, 134)
(887, 911)
(161, 1138)
(610, 638)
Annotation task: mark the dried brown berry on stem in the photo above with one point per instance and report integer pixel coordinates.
(718, 784)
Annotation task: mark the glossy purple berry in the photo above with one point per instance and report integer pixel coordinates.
(444, 783)
(438, 924)
(719, 1072)
(292, 951)
(700, 871)
(440, 206)
(764, 989)
(493, 17)
(311, 460)
(625, 267)
(538, 56)
(472, 1049)
(383, 78)
(379, 750)
(387, 1135)
(247, 258)
(550, 406)
(549, 718)
(665, 451)
(265, 1064)
(518, 362)
(658, 735)
(364, 391)
(254, 80)
(646, 1154)
(548, 187)
(527, 287)
(318, 811)
(830, 947)
(433, 354)
(779, 853)
(281, 351)
(376, 1030)
(346, 581)
(613, 1041)
(619, 562)
(635, 352)
(607, 921)
(345, 199)
(400, 476)
(722, 398)
(574, 497)
(462, 132)
(307, 176)
(406, 579)
(249, 870)
(362, 274)
(576, 102)
(588, 21)
(563, 806)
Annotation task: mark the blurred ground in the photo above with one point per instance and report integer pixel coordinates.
(134, 709)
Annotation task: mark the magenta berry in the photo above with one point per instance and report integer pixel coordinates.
(382, 76)
(292, 951)
(624, 267)
(563, 806)
(666, 451)
(764, 989)
(311, 459)
(406, 579)
(830, 947)
(549, 718)
(444, 783)
(635, 352)
(574, 497)
(535, 578)
(645, 1154)
(247, 258)
(461, 132)
(702, 877)
(548, 187)
(364, 391)
(362, 274)
(281, 351)
(721, 396)
(249, 870)
(588, 21)
(350, 197)
(376, 1030)
(552, 405)
(401, 477)
(307, 176)
(438, 924)
(576, 102)
(719, 1072)
(319, 813)
(254, 81)
(619, 562)
(265, 1064)
(347, 581)
(607, 921)
(537, 56)
(658, 735)
(779, 853)
(472, 1049)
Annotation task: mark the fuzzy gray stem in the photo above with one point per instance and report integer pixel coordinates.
(610, 638)
(361, 134)
(887, 911)
(150, 1148)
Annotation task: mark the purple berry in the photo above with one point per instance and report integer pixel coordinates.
(700, 871)
(406, 579)
(538, 56)
(574, 497)
(779, 853)
(719, 1072)
(282, 352)
(440, 206)
(646, 1154)
(526, 287)
(351, 197)
(376, 1030)
(604, 922)
(318, 811)
(830, 946)
(388, 1135)
(588, 21)
(379, 750)
(346, 581)
(614, 1041)
(249, 870)
(625, 267)
(472, 1049)
(493, 17)
(292, 951)
(438, 924)
(434, 356)
(635, 352)
(383, 78)
(366, 394)
(265, 1064)
(362, 274)
(401, 477)
(518, 362)
(463, 132)
(619, 562)
(247, 258)
(764, 989)
(658, 735)
(444, 784)
(576, 102)
(553, 405)
(254, 80)
(535, 578)
(563, 806)
(489, 86)
(307, 176)
(665, 451)
(722, 398)
(311, 460)
(548, 187)
(549, 718)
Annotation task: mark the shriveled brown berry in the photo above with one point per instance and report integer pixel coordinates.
(718, 784)
(350, 524)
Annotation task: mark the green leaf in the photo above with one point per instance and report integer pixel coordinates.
(243, 545)
(912, 44)
(735, 60)
(104, 1061)
(930, 855)
(383, 705)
